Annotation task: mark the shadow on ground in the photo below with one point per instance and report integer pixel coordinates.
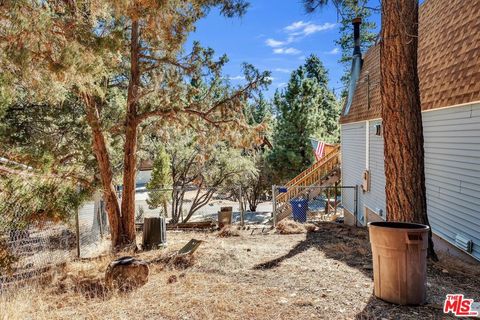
(340, 242)
(350, 245)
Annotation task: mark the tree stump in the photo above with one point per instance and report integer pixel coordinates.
(154, 232)
(126, 273)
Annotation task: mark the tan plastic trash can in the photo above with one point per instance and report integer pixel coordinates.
(399, 253)
(224, 216)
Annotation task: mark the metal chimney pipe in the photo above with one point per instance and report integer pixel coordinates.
(356, 35)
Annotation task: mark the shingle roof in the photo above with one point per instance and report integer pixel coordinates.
(448, 60)
(367, 90)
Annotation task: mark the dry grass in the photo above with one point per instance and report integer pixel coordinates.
(228, 231)
(316, 275)
(288, 226)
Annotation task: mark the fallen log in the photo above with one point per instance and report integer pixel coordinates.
(192, 225)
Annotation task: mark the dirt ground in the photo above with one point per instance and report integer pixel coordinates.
(325, 274)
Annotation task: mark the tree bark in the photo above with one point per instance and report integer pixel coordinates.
(106, 176)
(401, 112)
(130, 148)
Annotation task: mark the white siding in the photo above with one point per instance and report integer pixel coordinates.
(375, 199)
(353, 164)
(452, 170)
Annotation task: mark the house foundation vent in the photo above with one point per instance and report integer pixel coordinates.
(464, 243)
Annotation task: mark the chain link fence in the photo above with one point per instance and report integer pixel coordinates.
(324, 203)
(92, 229)
(194, 204)
(34, 251)
(30, 254)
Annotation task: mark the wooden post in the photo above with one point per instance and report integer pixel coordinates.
(327, 204)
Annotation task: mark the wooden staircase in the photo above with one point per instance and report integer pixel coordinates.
(323, 173)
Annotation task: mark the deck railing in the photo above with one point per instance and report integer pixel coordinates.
(311, 176)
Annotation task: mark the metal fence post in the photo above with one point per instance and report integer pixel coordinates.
(274, 205)
(100, 218)
(77, 227)
(335, 198)
(242, 218)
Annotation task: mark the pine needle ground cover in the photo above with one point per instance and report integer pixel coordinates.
(325, 274)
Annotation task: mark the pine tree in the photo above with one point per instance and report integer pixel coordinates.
(405, 190)
(348, 10)
(161, 179)
(255, 186)
(305, 109)
(134, 49)
(259, 111)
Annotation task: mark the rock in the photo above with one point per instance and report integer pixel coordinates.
(445, 271)
(126, 273)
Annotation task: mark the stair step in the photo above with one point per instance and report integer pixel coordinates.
(330, 165)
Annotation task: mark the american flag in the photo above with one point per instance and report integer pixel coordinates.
(319, 149)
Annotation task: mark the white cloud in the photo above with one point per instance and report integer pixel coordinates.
(236, 78)
(282, 84)
(282, 70)
(291, 51)
(274, 43)
(313, 28)
(333, 51)
(296, 26)
(295, 32)
(301, 28)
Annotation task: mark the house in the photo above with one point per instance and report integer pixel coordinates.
(449, 73)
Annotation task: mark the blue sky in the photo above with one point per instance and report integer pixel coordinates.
(276, 36)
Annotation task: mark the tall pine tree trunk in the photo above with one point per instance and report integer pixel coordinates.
(130, 148)
(106, 176)
(401, 113)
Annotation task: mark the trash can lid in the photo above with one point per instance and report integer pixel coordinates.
(299, 200)
(394, 225)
